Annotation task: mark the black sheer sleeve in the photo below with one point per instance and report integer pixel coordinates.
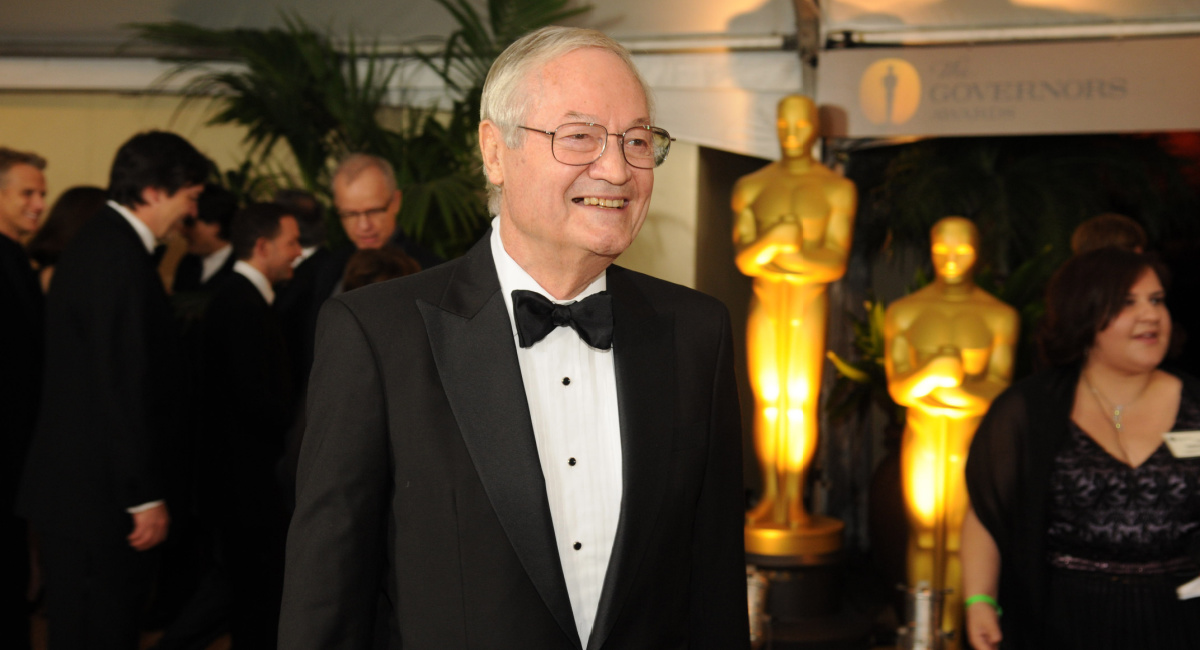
(993, 464)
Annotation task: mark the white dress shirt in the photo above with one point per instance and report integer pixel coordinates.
(305, 253)
(572, 394)
(213, 262)
(260, 281)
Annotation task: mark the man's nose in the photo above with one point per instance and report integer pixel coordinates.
(611, 166)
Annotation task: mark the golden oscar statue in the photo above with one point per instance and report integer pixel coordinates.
(793, 221)
(949, 353)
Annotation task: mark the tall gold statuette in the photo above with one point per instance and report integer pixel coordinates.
(793, 222)
(949, 353)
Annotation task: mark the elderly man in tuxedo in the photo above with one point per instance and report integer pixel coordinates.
(95, 482)
(528, 447)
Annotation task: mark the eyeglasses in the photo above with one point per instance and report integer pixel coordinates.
(370, 213)
(582, 143)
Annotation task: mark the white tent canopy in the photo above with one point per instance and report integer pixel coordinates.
(718, 66)
(917, 21)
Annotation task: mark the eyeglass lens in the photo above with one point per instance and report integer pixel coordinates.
(582, 144)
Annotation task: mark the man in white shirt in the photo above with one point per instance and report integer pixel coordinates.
(96, 479)
(528, 447)
(209, 256)
(248, 393)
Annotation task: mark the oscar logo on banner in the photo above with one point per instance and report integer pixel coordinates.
(889, 91)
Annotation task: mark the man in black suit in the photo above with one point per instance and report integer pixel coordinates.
(209, 257)
(22, 200)
(367, 201)
(248, 389)
(93, 485)
(527, 447)
(297, 301)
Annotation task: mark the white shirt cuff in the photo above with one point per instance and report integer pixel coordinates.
(145, 506)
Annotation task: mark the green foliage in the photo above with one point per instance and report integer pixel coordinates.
(294, 85)
(1022, 193)
(862, 382)
(470, 50)
(1026, 195)
(246, 182)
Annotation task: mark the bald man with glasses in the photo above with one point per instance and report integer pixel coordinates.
(528, 447)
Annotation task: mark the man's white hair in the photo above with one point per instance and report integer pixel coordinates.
(355, 164)
(505, 101)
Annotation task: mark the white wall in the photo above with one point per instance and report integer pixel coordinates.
(97, 25)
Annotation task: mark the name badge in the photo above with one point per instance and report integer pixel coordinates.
(1183, 444)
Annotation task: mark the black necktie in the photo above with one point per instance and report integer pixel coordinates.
(536, 317)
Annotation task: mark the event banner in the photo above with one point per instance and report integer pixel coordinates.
(1109, 86)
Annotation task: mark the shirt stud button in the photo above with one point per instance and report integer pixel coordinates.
(566, 381)
(578, 546)
(571, 462)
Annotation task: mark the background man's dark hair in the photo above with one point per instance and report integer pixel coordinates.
(9, 158)
(309, 213)
(217, 205)
(254, 221)
(155, 159)
(372, 265)
(73, 208)
(1108, 229)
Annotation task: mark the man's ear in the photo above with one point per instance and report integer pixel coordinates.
(491, 146)
(151, 195)
(395, 203)
(260, 248)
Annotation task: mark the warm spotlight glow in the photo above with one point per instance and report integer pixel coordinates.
(922, 488)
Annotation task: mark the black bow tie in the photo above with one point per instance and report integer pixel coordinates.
(536, 317)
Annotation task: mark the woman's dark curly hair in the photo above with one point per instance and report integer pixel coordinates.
(1085, 295)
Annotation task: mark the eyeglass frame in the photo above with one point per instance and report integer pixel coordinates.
(370, 214)
(604, 147)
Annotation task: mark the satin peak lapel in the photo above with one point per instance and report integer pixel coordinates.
(644, 345)
(471, 339)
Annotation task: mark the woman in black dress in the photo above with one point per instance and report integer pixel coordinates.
(1082, 520)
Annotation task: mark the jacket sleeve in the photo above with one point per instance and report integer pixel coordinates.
(719, 616)
(119, 309)
(336, 543)
(992, 469)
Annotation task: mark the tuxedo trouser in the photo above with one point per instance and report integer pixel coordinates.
(95, 592)
(14, 604)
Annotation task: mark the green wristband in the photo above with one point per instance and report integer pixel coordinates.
(984, 598)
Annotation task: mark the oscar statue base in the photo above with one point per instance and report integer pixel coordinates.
(813, 542)
(805, 571)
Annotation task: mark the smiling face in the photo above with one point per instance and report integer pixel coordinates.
(796, 124)
(280, 251)
(1137, 338)
(552, 211)
(162, 210)
(22, 200)
(954, 242)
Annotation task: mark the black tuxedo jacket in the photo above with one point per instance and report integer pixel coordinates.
(247, 393)
(191, 267)
(110, 393)
(21, 329)
(298, 302)
(419, 476)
